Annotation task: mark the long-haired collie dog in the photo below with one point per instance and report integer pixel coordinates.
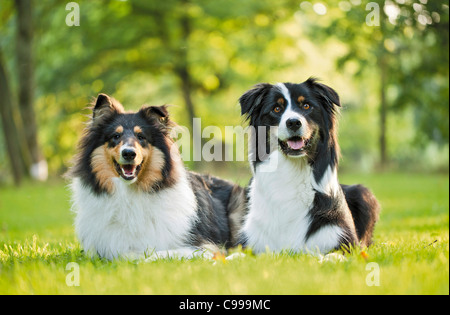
(299, 205)
(132, 195)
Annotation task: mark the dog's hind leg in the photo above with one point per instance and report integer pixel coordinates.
(365, 210)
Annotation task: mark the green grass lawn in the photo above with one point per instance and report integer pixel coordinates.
(411, 251)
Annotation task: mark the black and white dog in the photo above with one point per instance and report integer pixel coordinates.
(298, 203)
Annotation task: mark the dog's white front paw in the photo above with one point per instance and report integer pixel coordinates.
(235, 256)
(180, 253)
(332, 257)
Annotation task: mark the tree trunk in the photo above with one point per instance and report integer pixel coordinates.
(186, 83)
(186, 88)
(183, 66)
(9, 127)
(26, 86)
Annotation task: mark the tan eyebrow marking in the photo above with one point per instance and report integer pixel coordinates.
(301, 99)
(280, 101)
(119, 129)
(137, 129)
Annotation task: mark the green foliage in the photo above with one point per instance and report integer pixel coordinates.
(135, 51)
(142, 52)
(411, 42)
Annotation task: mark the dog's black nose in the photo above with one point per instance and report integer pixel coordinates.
(293, 124)
(128, 154)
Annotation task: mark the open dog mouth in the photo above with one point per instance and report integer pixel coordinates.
(127, 171)
(295, 146)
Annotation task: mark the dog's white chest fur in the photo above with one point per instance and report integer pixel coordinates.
(279, 204)
(131, 222)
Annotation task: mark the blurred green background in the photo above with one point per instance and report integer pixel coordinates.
(387, 59)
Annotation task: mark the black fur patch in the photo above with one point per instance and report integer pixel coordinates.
(213, 195)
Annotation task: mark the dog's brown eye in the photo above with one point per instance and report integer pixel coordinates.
(116, 136)
(306, 106)
(140, 137)
(277, 109)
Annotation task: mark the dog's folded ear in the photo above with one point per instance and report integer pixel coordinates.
(252, 99)
(159, 113)
(324, 91)
(105, 105)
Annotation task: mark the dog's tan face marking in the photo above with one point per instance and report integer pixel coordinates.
(152, 168)
(103, 167)
(137, 130)
(280, 101)
(151, 171)
(119, 129)
(301, 99)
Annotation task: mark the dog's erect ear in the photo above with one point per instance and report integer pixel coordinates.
(252, 99)
(325, 92)
(104, 105)
(160, 113)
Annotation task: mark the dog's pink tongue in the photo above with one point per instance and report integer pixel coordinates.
(128, 169)
(296, 144)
